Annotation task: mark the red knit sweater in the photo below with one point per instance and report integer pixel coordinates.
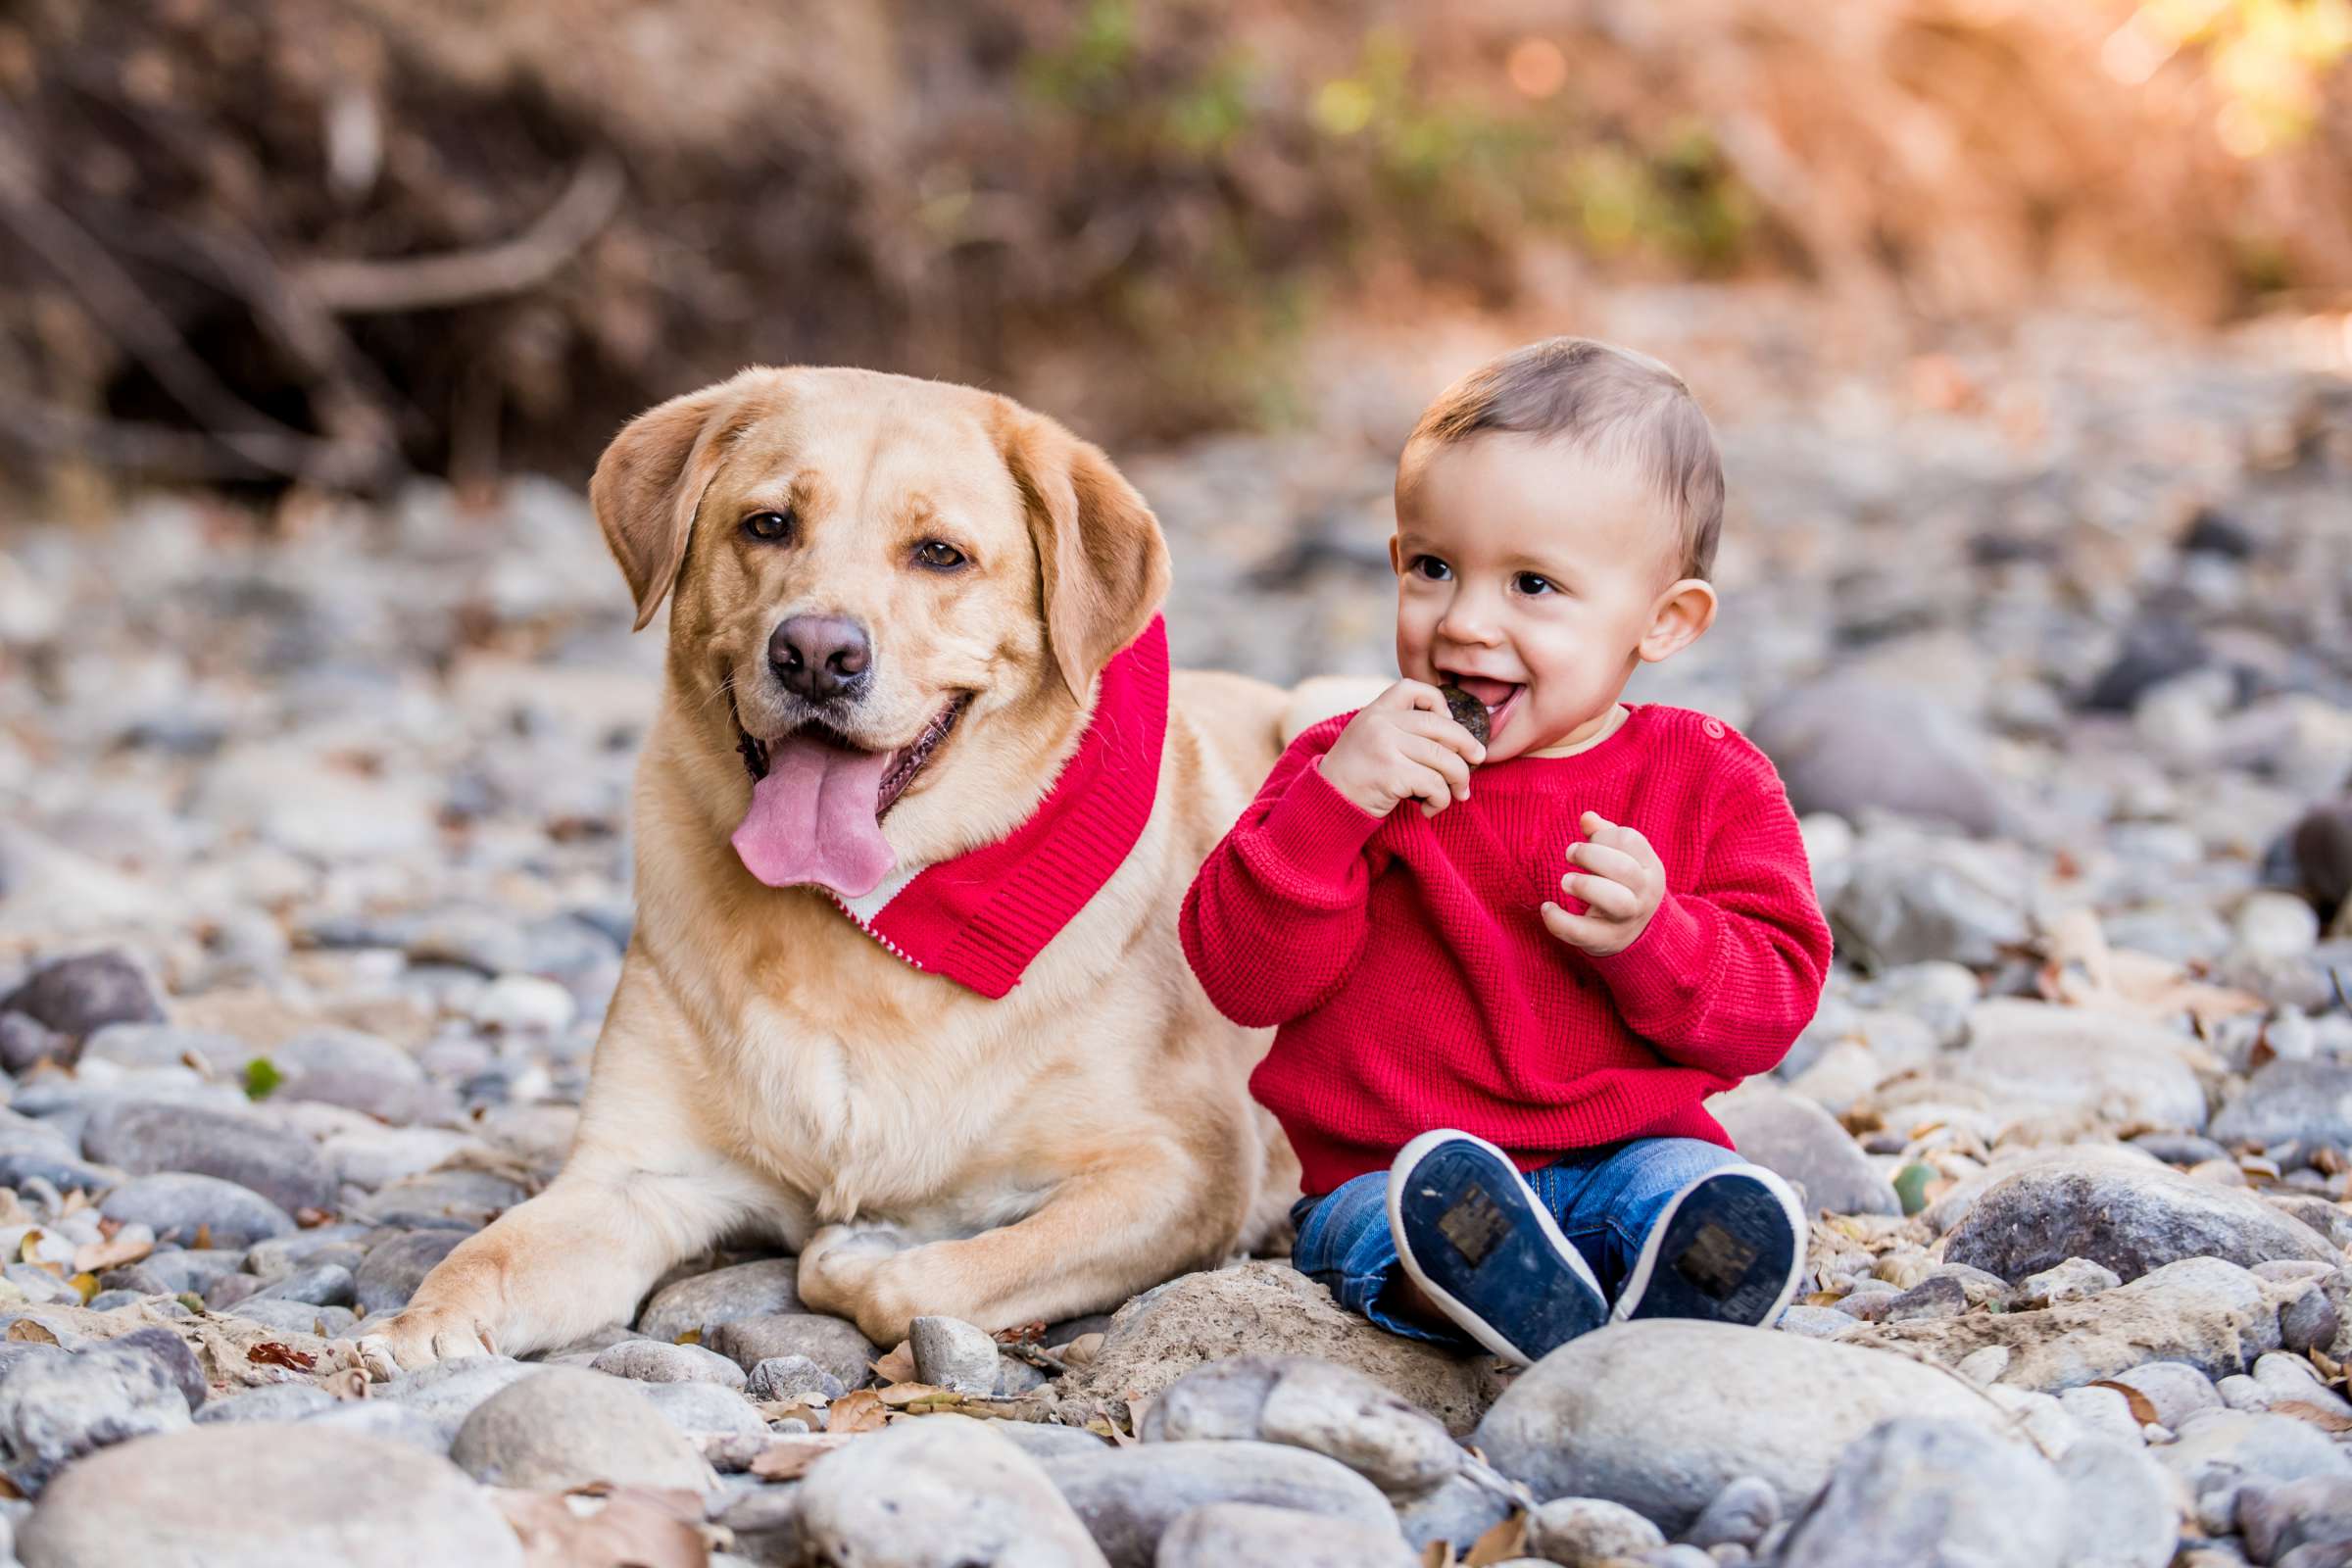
(1415, 985)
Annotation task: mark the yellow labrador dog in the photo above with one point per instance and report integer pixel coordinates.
(911, 660)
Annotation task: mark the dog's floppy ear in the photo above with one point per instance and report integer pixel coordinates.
(1103, 565)
(649, 483)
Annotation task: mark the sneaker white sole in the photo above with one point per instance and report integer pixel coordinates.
(1460, 1315)
(1636, 1283)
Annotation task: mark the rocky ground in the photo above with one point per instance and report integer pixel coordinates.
(314, 882)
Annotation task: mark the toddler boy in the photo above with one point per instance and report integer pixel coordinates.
(1499, 1012)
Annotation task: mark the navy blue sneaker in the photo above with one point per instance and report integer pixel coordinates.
(1728, 1248)
(1473, 1235)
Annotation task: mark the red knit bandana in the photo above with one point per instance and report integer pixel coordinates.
(981, 917)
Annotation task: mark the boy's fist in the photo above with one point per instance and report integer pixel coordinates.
(1621, 881)
(1402, 744)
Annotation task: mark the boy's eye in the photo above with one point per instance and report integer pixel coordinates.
(1430, 567)
(1533, 583)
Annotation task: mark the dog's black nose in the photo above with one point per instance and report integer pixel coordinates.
(819, 656)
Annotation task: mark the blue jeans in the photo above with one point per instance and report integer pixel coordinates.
(1605, 1201)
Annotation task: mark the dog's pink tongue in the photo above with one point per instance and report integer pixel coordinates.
(813, 818)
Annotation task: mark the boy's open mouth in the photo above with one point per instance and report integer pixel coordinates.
(1501, 698)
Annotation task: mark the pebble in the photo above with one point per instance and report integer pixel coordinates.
(705, 1411)
(1128, 1497)
(2202, 1310)
(2175, 1390)
(561, 1427)
(1798, 1140)
(1271, 1309)
(952, 1355)
(1936, 1297)
(832, 1342)
(652, 1361)
(1740, 1515)
(297, 1317)
(1586, 1421)
(147, 1139)
(78, 994)
(701, 1303)
(392, 1269)
(55, 1409)
(1921, 1490)
(524, 1003)
(1852, 744)
(938, 1491)
(2274, 926)
(189, 1209)
(2278, 1517)
(1588, 1532)
(279, 1402)
(1333, 1410)
(2307, 1102)
(1249, 1535)
(266, 1494)
(1457, 1511)
(2127, 1221)
(783, 1378)
(448, 1392)
(2217, 1452)
(326, 1283)
(2075, 1280)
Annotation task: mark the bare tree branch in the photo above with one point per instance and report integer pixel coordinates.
(353, 287)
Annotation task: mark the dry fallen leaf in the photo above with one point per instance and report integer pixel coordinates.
(899, 1365)
(2144, 1410)
(597, 1527)
(860, 1410)
(96, 1257)
(2081, 971)
(789, 1456)
(2320, 1416)
(271, 1353)
(899, 1395)
(27, 1330)
(1502, 1543)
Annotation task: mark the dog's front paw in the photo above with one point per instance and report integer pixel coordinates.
(846, 1270)
(420, 1337)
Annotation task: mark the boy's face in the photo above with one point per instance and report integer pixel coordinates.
(1536, 577)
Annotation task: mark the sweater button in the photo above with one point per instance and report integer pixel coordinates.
(1714, 729)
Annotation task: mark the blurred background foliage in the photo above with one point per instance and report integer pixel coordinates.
(337, 241)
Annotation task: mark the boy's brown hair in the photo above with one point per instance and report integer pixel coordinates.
(1603, 399)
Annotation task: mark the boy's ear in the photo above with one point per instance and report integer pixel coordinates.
(1102, 561)
(1682, 615)
(651, 480)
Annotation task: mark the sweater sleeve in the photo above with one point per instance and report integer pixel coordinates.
(1730, 969)
(1275, 920)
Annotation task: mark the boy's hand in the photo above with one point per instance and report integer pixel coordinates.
(1621, 882)
(1402, 744)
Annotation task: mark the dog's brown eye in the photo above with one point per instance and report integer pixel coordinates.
(939, 555)
(768, 526)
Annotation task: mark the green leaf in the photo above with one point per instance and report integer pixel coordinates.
(261, 1077)
(1911, 1186)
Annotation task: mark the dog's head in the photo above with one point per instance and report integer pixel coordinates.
(896, 592)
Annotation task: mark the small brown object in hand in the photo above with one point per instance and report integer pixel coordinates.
(1467, 710)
